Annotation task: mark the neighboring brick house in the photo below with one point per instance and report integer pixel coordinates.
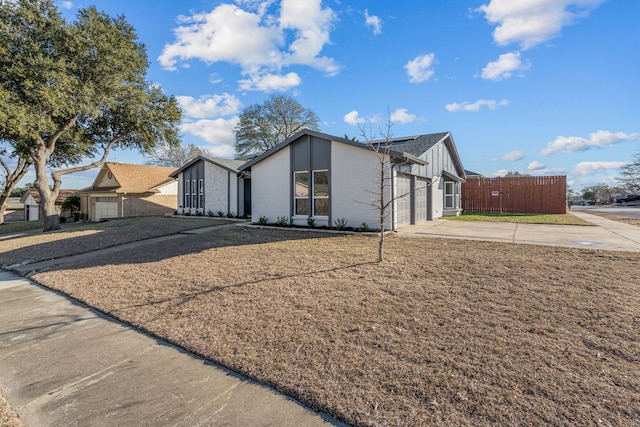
(128, 190)
(31, 202)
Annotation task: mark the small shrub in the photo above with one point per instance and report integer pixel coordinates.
(63, 219)
(311, 222)
(220, 214)
(210, 213)
(340, 223)
(282, 221)
(231, 215)
(199, 213)
(77, 216)
(262, 220)
(187, 213)
(364, 227)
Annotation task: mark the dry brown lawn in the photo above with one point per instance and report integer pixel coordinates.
(72, 240)
(617, 217)
(8, 417)
(444, 332)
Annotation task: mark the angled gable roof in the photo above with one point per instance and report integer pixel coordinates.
(394, 152)
(132, 178)
(228, 164)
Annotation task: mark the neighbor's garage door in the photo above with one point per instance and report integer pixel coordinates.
(403, 201)
(421, 200)
(104, 207)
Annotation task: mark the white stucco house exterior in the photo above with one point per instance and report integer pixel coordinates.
(212, 185)
(324, 177)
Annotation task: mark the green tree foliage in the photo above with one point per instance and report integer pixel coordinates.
(71, 204)
(74, 91)
(263, 126)
(630, 176)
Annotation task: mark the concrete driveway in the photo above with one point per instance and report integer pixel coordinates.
(605, 234)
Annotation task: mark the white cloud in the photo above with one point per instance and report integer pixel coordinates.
(535, 165)
(591, 168)
(67, 5)
(531, 22)
(260, 43)
(501, 172)
(512, 156)
(215, 131)
(353, 118)
(402, 116)
(599, 139)
(271, 82)
(420, 68)
(373, 21)
(475, 106)
(208, 106)
(504, 67)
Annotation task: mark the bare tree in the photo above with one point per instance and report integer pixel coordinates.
(174, 155)
(630, 175)
(384, 197)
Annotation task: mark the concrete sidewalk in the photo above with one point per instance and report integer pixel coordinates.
(63, 364)
(605, 234)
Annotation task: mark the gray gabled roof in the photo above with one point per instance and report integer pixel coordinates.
(399, 146)
(228, 164)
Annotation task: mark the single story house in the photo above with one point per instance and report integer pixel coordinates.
(326, 178)
(31, 201)
(128, 190)
(211, 185)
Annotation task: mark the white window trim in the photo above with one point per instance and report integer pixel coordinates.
(186, 197)
(450, 195)
(296, 197)
(314, 197)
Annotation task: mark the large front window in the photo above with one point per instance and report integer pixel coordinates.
(201, 193)
(194, 195)
(187, 194)
(301, 197)
(321, 193)
(451, 195)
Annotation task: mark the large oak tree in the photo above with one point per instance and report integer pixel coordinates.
(263, 126)
(71, 92)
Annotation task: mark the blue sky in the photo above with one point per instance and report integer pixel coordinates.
(544, 87)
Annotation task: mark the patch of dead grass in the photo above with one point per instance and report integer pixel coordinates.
(444, 332)
(8, 417)
(617, 217)
(41, 246)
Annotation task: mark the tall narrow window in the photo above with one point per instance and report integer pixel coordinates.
(301, 193)
(194, 195)
(449, 195)
(187, 193)
(201, 193)
(321, 193)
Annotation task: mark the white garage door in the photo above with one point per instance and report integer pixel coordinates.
(421, 200)
(104, 207)
(403, 201)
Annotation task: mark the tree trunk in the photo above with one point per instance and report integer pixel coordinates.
(48, 195)
(3, 208)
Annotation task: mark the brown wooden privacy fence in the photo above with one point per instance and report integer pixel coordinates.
(522, 194)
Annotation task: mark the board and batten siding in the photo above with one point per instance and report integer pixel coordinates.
(270, 184)
(354, 184)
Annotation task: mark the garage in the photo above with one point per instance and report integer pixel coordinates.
(420, 200)
(403, 201)
(104, 207)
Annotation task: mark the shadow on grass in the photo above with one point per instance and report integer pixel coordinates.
(73, 239)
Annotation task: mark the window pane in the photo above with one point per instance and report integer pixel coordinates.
(302, 206)
(302, 184)
(321, 207)
(321, 183)
(448, 202)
